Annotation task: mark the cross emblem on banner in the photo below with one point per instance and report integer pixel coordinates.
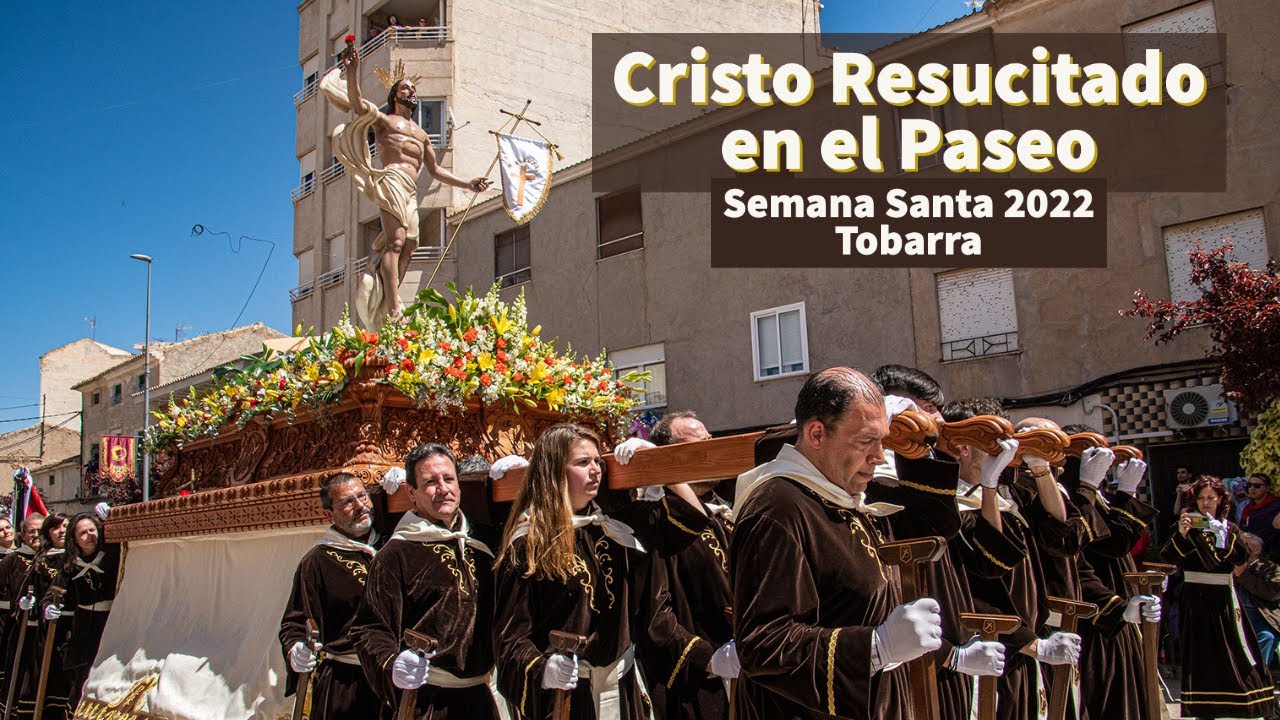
(522, 177)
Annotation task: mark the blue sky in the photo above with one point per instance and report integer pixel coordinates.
(127, 123)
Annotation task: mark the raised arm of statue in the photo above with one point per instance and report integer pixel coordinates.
(351, 64)
(479, 184)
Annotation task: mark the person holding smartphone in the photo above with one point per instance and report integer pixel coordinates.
(1223, 671)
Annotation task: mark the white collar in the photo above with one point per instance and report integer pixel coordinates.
(418, 529)
(335, 539)
(616, 530)
(793, 465)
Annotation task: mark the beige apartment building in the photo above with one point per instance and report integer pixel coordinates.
(113, 398)
(631, 272)
(475, 58)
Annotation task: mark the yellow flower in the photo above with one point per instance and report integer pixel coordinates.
(182, 421)
(485, 361)
(501, 324)
(538, 372)
(426, 355)
(313, 372)
(555, 398)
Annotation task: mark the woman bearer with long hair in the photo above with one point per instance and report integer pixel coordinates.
(566, 566)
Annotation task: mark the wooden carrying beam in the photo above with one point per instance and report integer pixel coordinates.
(911, 434)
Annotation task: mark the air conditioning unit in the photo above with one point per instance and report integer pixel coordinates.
(1194, 407)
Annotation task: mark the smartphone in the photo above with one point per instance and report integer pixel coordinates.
(1199, 522)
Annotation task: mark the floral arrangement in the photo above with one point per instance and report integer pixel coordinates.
(1262, 454)
(441, 353)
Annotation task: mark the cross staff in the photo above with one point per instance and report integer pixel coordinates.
(304, 679)
(423, 645)
(1072, 612)
(1150, 583)
(565, 643)
(47, 658)
(910, 556)
(989, 628)
(17, 657)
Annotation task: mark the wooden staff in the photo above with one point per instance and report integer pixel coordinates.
(47, 658)
(1150, 583)
(421, 644)
(565, 643)
(17, 657)
(1072, 612)
(733, 684)
(910, 556)
(304, 679)
(982, 432)
(989, 629)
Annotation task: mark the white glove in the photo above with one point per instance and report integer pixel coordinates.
(1035, 463)
(1219, 529)
(993, 465)
(505, 464)
(624, 451)
(911, 631)
(896, 404)
(409, 671)
(392, 480)
(561, 673)
(27, 602)
(101, 510)
(1094, 463)
(978, 658)
(302, 658)
(1129, 475)
(724, 663)
(1060, 648)
(52, 612)
(1142, 608)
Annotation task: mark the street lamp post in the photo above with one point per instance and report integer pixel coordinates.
(146, 382)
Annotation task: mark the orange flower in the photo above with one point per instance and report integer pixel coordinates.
(502, 344)
(406, 365)
(518, 376)
(445, 346)
(485, 380)
(501, 368)
(404, 344)
(500, 356)
(459, 362)
(411, 334)
(470, 335)
(604, 385)
(371, 338)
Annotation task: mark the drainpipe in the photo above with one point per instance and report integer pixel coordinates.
(1115, 416)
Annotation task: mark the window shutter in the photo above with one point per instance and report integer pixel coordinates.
(791, 340)
(767, 343)
(1246, 230)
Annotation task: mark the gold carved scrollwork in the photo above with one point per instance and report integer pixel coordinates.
(601, 549)
(356, 567)
(450, 560)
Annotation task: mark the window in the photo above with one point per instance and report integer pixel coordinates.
(619, 224)
(116, 393)
(922, 112)
(647, 358)
(1191, 30)
(307, 175)
(97, 398)
(1246, 230)
(93, 453)
(779, 342)
(511, 256)
(976, 312)
(52, 478)
(142, 382)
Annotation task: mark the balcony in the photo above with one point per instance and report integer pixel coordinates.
(331, 278)
(994, 344)
(335, 170)
(393, 37)
(305, 188)
(302, 291)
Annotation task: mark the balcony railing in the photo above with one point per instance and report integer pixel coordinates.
(395, 36)
(973, 347)
(308, 89)
(301, 291)
(307, 187)
(333, 171)
(331, 278)
(427, 252)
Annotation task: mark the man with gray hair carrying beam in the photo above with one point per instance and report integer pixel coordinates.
(327, 589)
